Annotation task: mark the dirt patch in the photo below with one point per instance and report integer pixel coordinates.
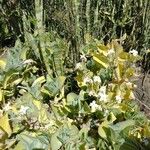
(142, 92)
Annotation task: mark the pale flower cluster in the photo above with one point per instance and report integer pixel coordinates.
(111, 51)
(83, 58)
(118, 98)
(23, 110)
(95, 106)
(87, 80)
(7, 107)
(92, 93)
(102, 94)
(96, 79)
(78, 66)
(133, 52)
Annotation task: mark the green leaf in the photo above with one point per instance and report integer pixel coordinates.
(122, 125)
(2, 63)
(101, 59)
(20, 146)
(72, 99)
(39, 81)
(33, 142)
(1, 95)
(101, 129)
(55, 144)
(130, 145)
(68, 133)
(52, 88)
(3, 135)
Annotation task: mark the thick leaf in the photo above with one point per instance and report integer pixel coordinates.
(4, 124)
(119, 71)
(3, 135)
(1, 95)
(118, 48)
(122, 125)
(103, 49)
(101, 59)
(39, 81)
(54, 87)
(2, 63)
(72, 99)
(68, 134)
(29, 142)
(55, 144)
(101, 130)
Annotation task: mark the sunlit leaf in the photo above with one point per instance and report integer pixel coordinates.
(120, 71)
(55, 144)
(2, 63)
(4, 124)
(72, 99)
(29, 142)
(101, 59)
(101, 130)
(39, 81)
(1, 95)
(122, 125)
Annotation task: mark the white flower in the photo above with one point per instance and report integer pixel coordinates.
(83, 58)
(133, 52)
(7, 107)
(118, 98)
(28, 61)
(94, 106)
(78, 66)
(47, 126)
(102, 89)
(87, 80)
(91, 93)
(134, 86)
(102, 94)
(97, 79)
(106, 112)
(1, 112)
(23, 110)
(111, 51)
(131, 95)
(129, 84)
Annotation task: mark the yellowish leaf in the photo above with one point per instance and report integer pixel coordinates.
(119, 71)
(118, 48)
(112, 117)
(37, 104)
(2, 63)
(103, 49)
(1, 95)
(101, 59)
(39, 80)
(4, 124)
(101, 130)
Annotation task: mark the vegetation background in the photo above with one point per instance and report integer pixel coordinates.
(72, 20)
(67, 70)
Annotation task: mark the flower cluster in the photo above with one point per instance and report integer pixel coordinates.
(134, 52)
(102, 94)
(95, 106)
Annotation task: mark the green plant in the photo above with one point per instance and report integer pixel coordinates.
(39, 111)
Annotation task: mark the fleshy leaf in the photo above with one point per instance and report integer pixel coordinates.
(4, 124)
(2, 63)
(101, 59)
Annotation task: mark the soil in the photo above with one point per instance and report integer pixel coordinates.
(142, 92)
